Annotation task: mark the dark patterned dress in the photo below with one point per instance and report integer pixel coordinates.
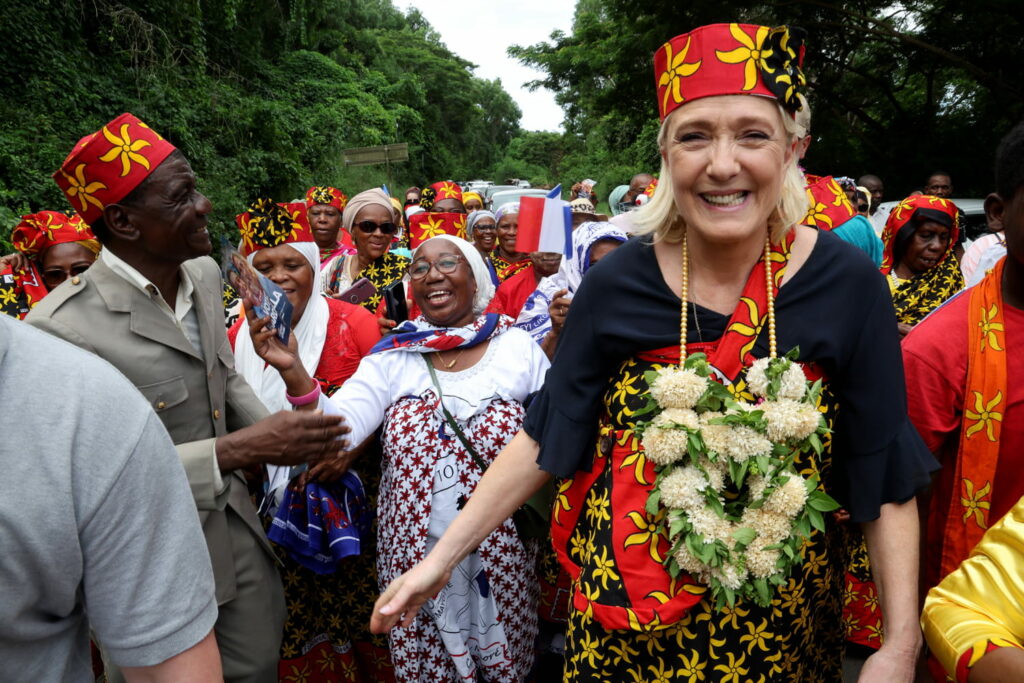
(382, 272)
(326, 634)
(629, 620)
(794, 639)
(505, 269)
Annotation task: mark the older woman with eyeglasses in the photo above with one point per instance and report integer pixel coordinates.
(50, 247)
(449, 388)
(370, 218)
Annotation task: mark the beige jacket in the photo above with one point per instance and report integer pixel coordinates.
(198, 398)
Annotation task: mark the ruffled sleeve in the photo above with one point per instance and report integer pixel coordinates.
(883, 459)
(563, 416)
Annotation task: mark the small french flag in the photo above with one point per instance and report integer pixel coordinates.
(545, 224)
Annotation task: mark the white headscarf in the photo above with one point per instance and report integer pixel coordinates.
(310, 334)
(484, 286)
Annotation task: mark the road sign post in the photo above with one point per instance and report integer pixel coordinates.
(381, 154)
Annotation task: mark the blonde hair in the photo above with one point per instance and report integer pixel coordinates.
(661, 218)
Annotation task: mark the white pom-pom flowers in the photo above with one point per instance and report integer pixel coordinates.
(737, 511)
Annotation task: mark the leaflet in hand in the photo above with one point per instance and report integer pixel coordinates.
(264, 297)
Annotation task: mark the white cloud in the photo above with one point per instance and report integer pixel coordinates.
(481, 33)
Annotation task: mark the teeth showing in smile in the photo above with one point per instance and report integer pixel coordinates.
(441, 295)
(724, 199)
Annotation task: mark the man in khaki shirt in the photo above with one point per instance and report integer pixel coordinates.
(152, 307)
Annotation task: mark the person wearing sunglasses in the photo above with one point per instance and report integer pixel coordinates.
(482, 230)
(370, 218)
(50, 247)
(448, 387)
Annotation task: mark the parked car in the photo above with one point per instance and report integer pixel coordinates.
(974, 225)
(499, 199)
(489, 191)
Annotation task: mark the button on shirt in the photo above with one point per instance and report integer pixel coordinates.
(184, 314)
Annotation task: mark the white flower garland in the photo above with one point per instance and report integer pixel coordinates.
(704, 441)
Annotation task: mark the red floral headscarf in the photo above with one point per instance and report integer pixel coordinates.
(911, 210)
(37, 232)
(331, 196)
(828, 206)
(268, 224)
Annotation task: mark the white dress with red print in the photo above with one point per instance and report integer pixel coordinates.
(483, 623)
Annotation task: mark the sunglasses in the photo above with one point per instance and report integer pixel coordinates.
(369, 227)
(446, 265)
(54, 277)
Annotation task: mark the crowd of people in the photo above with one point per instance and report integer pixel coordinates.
(466, 461)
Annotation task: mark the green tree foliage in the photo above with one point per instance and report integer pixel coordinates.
(261, 95)
(897, 89)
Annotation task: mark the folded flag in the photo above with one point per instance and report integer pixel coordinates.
(323, 524)
(423, 226)
(545, 224)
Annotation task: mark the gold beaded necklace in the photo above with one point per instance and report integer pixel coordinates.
(686, 294)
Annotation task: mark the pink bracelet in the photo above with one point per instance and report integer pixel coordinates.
(305, 399)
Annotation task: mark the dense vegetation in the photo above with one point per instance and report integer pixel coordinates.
(898, 89)
(262, 95)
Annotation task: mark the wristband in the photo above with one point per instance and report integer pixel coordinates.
(305, 399)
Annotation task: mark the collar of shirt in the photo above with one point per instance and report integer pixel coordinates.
(183, 300)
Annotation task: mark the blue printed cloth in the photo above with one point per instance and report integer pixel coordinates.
(322, 524)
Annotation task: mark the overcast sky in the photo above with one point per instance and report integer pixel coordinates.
(480, 32)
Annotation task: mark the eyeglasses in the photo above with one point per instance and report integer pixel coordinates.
(369, 227)
(55, 276)
(446, 265)
(485, 227)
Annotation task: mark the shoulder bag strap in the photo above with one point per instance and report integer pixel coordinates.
(451, 420)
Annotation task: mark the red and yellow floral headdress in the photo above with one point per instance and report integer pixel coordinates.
(37, 232)
(268, 224)
(919, 207)
(108, 164)
(730, 59)
(828, 207)
(423, 226)
(438, 191)
(331, 196)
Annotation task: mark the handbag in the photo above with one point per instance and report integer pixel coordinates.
(532, 518)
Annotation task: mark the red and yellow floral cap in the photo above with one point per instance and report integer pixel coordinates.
(331, 196)
(37, 232)
(268, 224)
(919, 207)
(438, 191)
(828, 207)
(108, 164)
(730, 59)
(423, 226)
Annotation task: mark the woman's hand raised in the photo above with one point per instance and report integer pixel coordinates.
(267, 345)
(407, 594)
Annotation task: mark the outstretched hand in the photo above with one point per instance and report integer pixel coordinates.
(407, 594)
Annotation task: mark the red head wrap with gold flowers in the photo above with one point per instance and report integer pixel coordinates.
(915, 208)
(730, 59)
(423, 226)
(828, 206)
(268, 224)
(446, 190)
(108, 164)
(37, 232)
(331, 196)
